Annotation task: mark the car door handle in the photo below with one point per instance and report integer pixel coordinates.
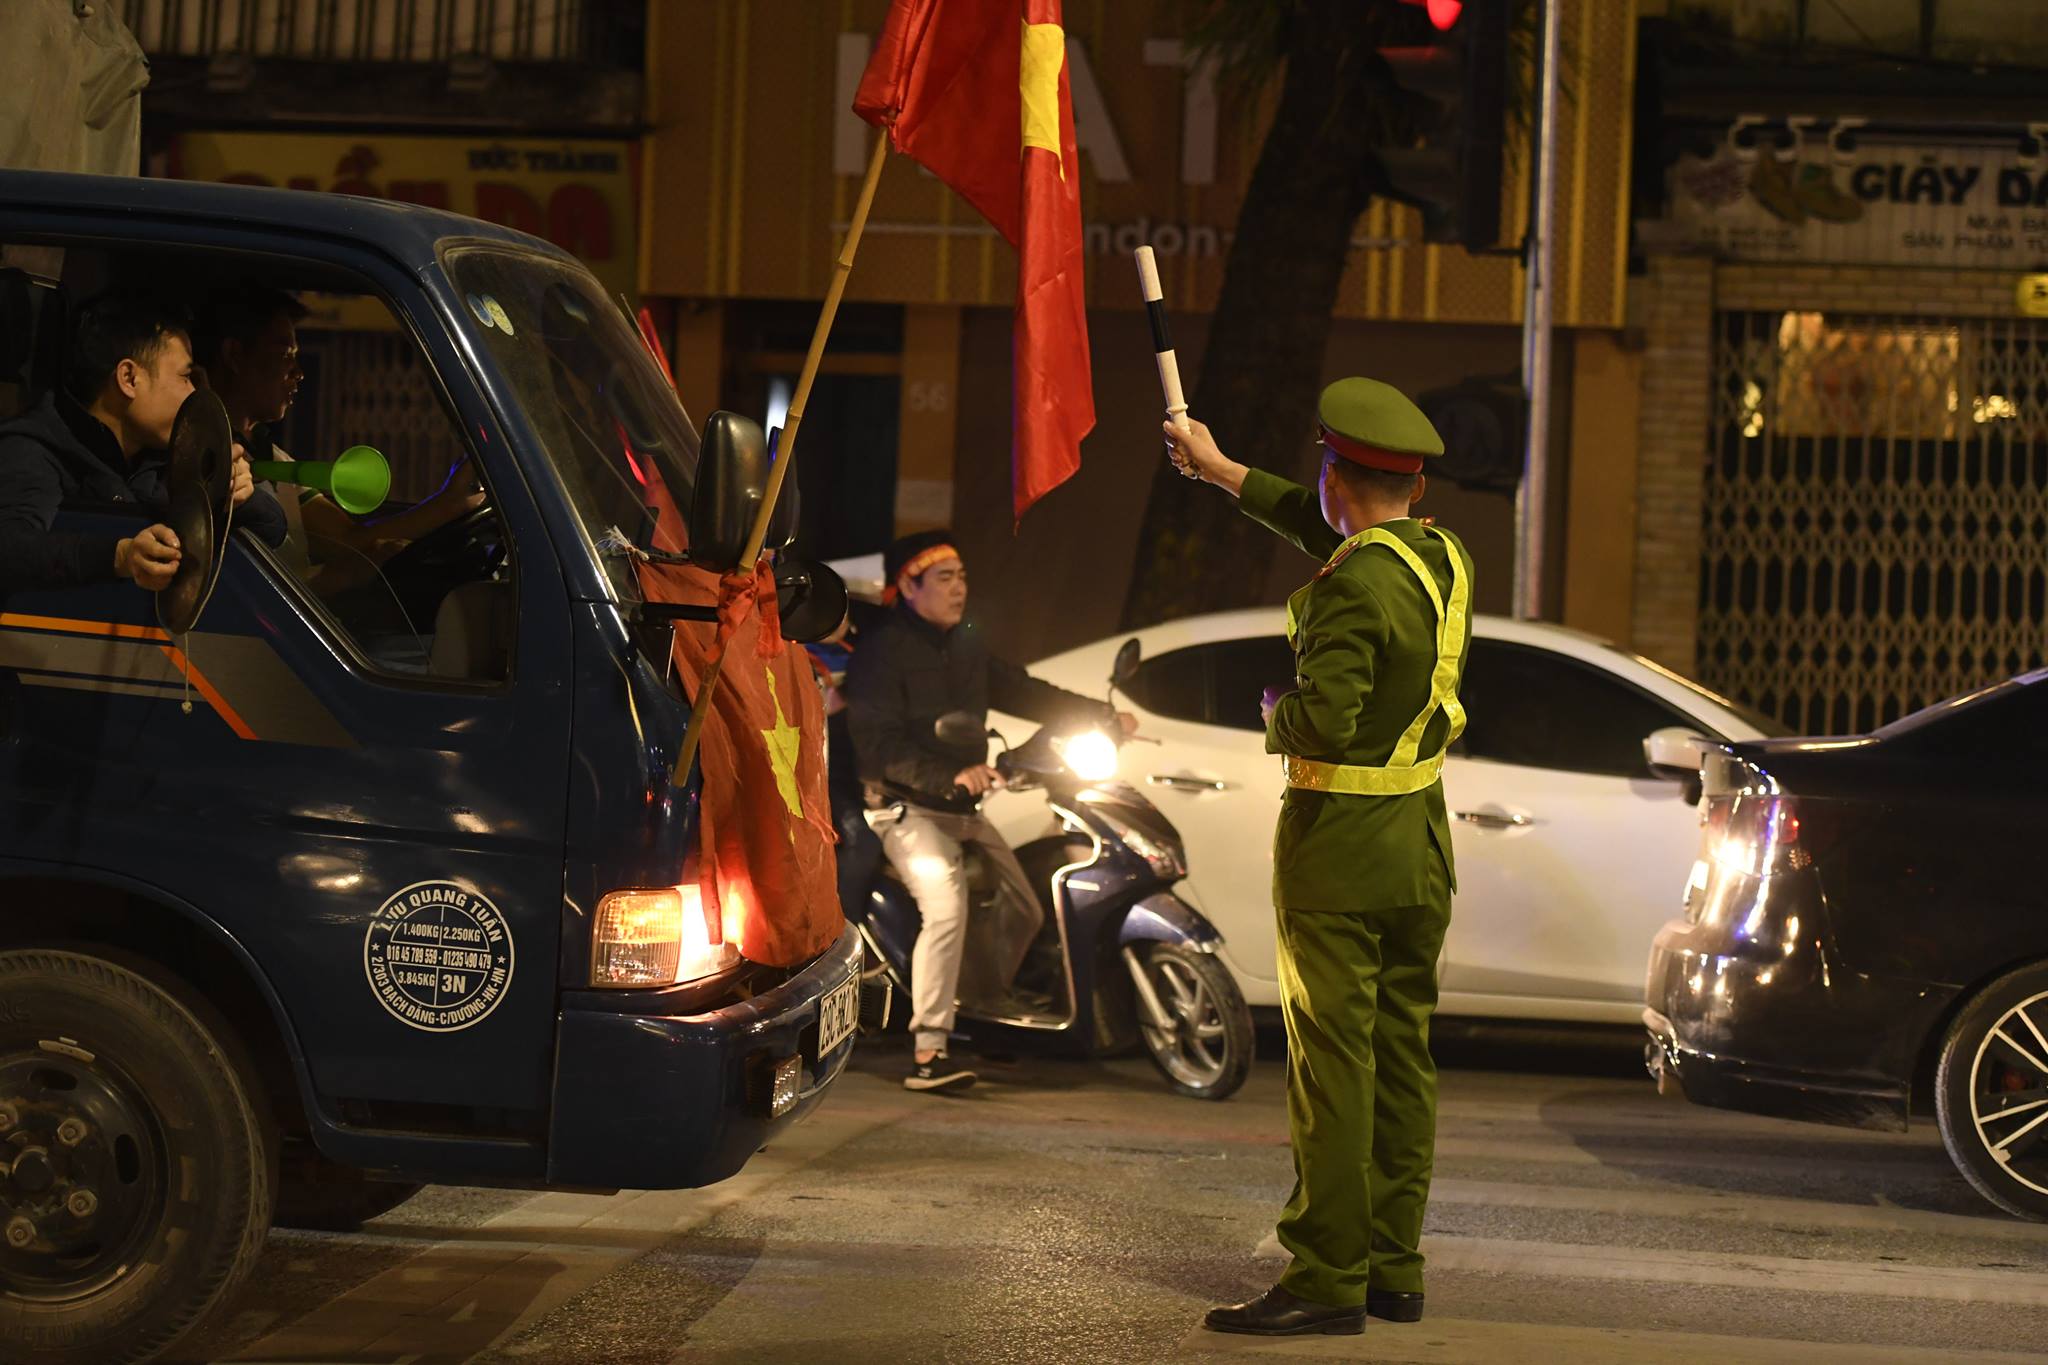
(1176, 782)
(1491, 819)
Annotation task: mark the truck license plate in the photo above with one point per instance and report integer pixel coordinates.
(838, 1013)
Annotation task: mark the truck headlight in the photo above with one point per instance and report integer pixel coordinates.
(658, 936)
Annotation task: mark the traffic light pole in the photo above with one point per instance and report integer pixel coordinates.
(1532, 502)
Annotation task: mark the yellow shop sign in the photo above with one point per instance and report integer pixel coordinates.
(580, 195)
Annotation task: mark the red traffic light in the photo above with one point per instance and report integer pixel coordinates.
(1443, 14)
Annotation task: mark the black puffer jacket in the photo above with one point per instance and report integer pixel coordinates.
(906, 673)
(59, 455)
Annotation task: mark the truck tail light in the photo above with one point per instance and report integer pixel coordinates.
(660, 936)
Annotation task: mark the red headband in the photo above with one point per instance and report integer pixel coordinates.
(1372, 457)
(915, 565)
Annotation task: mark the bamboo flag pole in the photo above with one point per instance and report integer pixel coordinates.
(785, 454)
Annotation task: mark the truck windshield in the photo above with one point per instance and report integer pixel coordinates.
(608, 419)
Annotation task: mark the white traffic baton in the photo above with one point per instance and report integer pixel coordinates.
(1162, 346)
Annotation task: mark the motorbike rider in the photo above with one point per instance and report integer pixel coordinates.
(921, 662)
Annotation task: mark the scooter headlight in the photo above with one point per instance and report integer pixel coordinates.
(1090, 755)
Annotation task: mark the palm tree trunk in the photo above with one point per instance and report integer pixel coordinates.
(1262, 368)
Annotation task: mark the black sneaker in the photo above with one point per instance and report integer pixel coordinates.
(940, 1073)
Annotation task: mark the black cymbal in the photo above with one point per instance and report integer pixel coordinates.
(199, 482)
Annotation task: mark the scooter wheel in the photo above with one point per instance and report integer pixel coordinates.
(1205, 1049)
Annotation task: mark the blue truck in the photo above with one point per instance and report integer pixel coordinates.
(346, 889)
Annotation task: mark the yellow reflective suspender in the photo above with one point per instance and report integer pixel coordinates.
(1402, 775)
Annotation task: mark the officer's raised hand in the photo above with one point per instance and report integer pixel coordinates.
(1194, 452)
(150, 557)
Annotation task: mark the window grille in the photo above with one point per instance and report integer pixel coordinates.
(373, 388)
(1876, 513)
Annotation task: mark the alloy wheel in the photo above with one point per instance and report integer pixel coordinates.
(2009, 1092)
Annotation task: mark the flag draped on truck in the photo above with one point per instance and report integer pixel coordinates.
(764, 819)
(977, 92)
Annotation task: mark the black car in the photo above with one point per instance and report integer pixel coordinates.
(1868, 922)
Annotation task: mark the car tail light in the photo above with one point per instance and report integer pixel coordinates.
(657, 936)
(1760, 834)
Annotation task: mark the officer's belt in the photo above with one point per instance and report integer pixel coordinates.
(1349, 779)
(1403, 776)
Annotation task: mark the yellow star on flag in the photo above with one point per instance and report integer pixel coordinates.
(785, 744)
(1045, 53)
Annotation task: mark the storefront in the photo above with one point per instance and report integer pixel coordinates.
(1855, 324)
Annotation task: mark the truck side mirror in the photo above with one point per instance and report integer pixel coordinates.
(784, 520)
(810, 597)
(732, 478)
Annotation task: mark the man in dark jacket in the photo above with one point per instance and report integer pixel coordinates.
(923, 793)
(102, 442)
(248, 341)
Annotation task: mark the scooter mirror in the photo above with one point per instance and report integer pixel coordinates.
(1126, 666)
(960, 730)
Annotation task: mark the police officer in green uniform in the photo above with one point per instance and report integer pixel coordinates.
(1362, 870)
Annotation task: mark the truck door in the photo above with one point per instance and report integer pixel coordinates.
(361, 780)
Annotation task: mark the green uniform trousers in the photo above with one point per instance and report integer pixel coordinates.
(1357, 989)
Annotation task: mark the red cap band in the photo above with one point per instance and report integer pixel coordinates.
(1372, 457)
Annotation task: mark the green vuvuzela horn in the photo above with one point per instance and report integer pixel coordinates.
(359, 480)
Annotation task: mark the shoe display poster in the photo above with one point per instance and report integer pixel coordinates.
(1839, 200)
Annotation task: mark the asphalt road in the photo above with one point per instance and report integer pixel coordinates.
(1067, 1212)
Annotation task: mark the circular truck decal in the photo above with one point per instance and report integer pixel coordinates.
(438, 956)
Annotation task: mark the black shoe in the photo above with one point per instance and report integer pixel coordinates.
(1394, 1305)
(1277, 1313)
(940, 1073)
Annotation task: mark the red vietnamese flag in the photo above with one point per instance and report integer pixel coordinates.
(976, 91)
(764, 817)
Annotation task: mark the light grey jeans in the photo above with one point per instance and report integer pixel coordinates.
(928, 850)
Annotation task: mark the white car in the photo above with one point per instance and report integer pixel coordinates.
(1568, 846)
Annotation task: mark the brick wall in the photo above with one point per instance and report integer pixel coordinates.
(1672, 446)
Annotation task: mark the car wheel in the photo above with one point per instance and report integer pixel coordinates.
(1991, 1092)
(1205, 1050)
(138, 1186)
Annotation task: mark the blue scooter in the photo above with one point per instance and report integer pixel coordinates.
(1120, 958)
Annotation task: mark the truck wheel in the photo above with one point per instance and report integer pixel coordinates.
(318, 1195)
(136, 1193)
(1991, 1092)
(1206, 1052)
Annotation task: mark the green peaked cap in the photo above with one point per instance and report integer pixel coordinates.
(1376, 414)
